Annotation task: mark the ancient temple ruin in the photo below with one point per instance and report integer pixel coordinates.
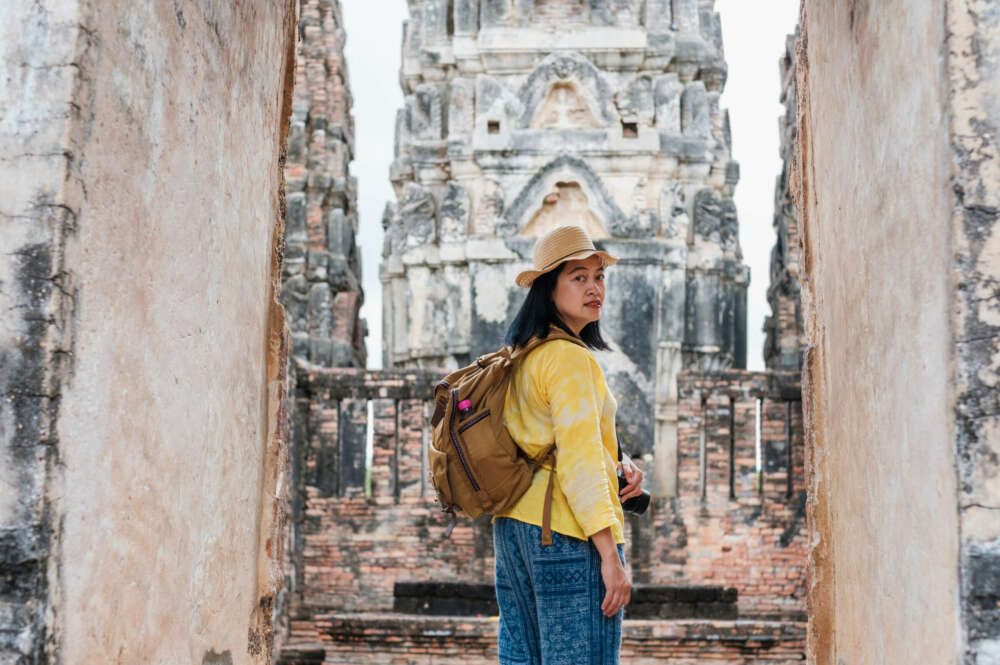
(521, 116)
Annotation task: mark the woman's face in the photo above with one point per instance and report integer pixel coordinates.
(579, 292)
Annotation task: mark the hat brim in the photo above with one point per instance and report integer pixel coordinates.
(525, 278)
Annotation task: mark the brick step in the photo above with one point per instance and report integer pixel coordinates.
(649, 601)
(392, 639)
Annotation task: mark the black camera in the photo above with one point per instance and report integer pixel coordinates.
(636, 505)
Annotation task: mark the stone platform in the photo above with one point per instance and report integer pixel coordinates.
(401, 639)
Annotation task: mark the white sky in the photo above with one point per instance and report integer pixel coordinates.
(754, 34)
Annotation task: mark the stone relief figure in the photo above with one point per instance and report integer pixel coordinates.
(642, 222)
(667, 91)
(417, 211)
(460, 108)
(708, 216)
(729, 227)
(673, 210)
(390, 230)
(489, 211)
(566, 204)
(423, 113)
(635, 101)
(564, 108)
(295, 298)
(454, 213)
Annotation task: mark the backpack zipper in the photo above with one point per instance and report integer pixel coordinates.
(458, 446)
(469, 423)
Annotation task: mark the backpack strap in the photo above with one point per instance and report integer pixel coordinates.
(550, 453)
(555, 332)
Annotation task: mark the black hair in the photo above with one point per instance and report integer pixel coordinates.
(538, 313)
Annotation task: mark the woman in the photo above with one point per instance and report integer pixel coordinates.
(563, 603)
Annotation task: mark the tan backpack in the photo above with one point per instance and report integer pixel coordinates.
(476, 466)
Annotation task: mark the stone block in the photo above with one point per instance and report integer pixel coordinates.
(696, 120)
(667, 91)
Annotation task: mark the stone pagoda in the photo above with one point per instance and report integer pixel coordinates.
(521, 115)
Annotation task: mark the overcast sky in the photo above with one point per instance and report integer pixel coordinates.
(754, 34)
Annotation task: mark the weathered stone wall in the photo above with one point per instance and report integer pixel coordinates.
(784, 341)
(898, 194)
(728, 525)
(321, 288)
(143, 345)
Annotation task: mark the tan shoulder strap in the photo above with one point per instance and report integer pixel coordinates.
(555, 332)
(550, 453)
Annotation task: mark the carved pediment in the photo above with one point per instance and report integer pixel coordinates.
(566, 204)
(564, 108)
(564, 191)
(566, 79)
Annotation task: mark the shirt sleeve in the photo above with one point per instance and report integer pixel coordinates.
(568, 381)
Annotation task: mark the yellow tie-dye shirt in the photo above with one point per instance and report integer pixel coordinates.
(558, 394)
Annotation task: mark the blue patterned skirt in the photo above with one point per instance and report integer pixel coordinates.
(550, 599)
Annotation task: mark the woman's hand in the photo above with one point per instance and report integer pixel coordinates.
(617, 586)
(633, 475)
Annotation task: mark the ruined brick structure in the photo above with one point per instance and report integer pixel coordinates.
(727, 527)
(522, 115)
(321, 281)
(784, 340)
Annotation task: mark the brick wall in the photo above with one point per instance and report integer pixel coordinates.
(726, 527)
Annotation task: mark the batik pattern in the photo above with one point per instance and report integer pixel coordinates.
(550, 599)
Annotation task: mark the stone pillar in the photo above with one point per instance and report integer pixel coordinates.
(322, 259)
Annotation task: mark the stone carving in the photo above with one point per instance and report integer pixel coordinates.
(423, 113)
(685, 14)
(673, 210)
(667, 103)
(490, 209)
(435, 22)
(391, 243)
(417, 212)
(566, 204)
(729, 227)
(695, 111)
(707, 215)
(454, 213)
(461, 108)
(635, 102)
(657, 16)
(466, 16)
(564, 68)
(564, 169)
(564, 108)
(715, 220)
(495, 104)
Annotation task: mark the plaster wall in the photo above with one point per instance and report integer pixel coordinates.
(875, 202)
(164, 139)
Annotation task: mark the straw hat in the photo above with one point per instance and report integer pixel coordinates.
(563, 243)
